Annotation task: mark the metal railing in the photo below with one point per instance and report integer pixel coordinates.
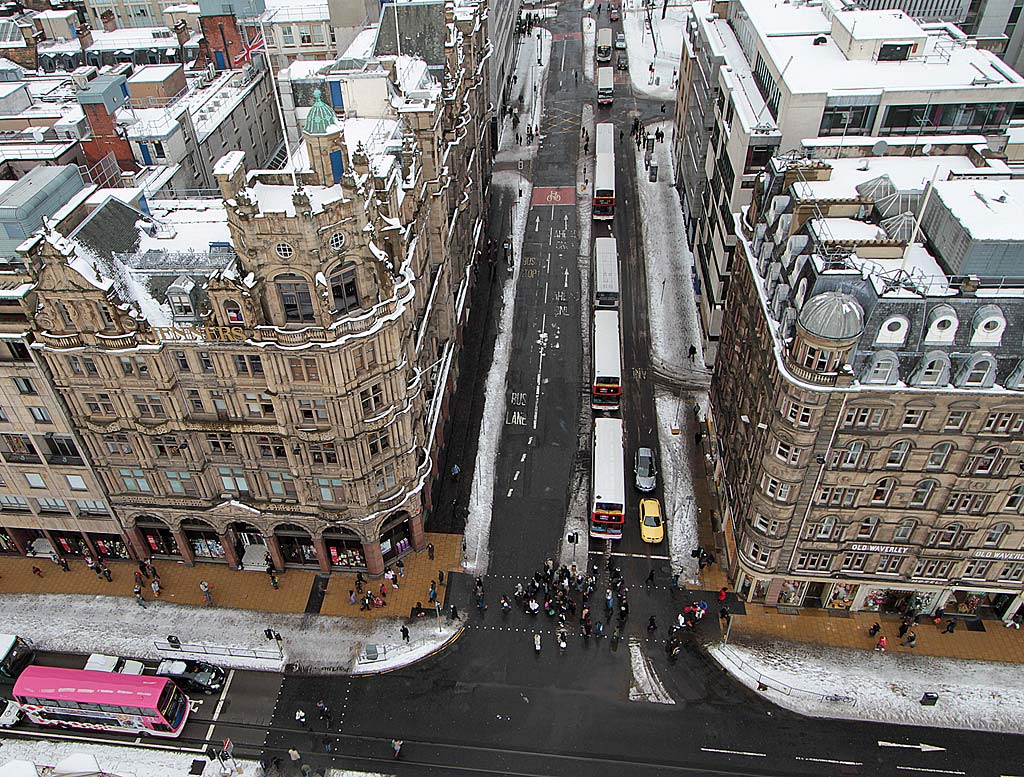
(231, 651)
(764, 682)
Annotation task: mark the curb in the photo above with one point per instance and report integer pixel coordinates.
(431, 654)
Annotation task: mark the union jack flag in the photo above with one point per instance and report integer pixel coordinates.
(248, 49)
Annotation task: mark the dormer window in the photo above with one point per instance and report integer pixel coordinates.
(989, 325)
(942, 326)
(233, 313)
(179, 297)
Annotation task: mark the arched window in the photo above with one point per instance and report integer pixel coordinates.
(905, 530)
(939, 456)
(296, 301)
(922, 493)
(883, 491)
(996, 534)
(989, 462)
(852, 456)
(933, 370)
(947, 537)
(942, 325)
(897, 457)
(979, 372)
(989, 324)
(821, 530)
(233, 312)
(1015, 501)
(344, 290)
(867, 528)
(884, 369)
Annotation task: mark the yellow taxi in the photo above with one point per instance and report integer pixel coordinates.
(652, 527)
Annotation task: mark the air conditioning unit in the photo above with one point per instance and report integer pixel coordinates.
(211, 71)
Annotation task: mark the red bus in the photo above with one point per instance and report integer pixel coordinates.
(606, 389)
(604, 173)
(102, 701)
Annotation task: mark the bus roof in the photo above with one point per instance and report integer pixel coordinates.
(609, 481)
(604, 175)
(605, 78)
(604, 36)
(606, 265)
(48, 682)
(606, 344)
(605, 138)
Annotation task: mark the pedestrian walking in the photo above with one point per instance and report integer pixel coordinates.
(440, 577)
(576, 77)
(454, 614)
(155, 585)
(882, 644)
(106, 573)
(360, 580)
(322, 710)
(723, 592)
(396, 745)
(430, 551)
(675, 581)
(400, 567)
(950, 627)
(910, 641)
(904, 628)
(405, 633)
(272, 574)
(207, 593)
(138, 577)
(724, 614)
(139, 598)
(300, 718)
(142, 567)
(456, 469)
(352, 598)
(652, 624)
(60, 561)
(37, 571)
(875, 628)
(663, 107)
(650, 579)
(150, 569)
(432, 596)
(383, 591)
(693, 352)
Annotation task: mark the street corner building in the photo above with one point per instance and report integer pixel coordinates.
(264, 371)
(868, 402)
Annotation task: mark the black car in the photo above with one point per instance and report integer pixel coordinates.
(193, 675)
(622, 62)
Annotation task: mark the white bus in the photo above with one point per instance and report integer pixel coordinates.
(605, 85)
(606, 387)
(607, 480)
(606, 273)
(604, 44)
(604, 174)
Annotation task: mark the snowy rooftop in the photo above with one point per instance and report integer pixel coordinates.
(908, 174)
(362, 45)
(208, 107)
(285, 11)
(788, 31)
(988, 210)
(845, 229)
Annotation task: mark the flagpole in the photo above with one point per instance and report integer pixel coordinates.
(277, 102)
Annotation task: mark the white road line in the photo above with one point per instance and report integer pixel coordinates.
(551, 233)
(930, 771)
(565, 284)
(545, 292)
(631, 555)
(530, 441)
(522, 459)
(734, 752)
(509, 494)
(515, 477)
(829, 761)
(565, 45)
(220, 704)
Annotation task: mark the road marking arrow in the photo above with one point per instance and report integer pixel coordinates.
(922, 747)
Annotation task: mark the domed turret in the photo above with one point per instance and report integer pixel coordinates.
(832, 315)
(321, 119)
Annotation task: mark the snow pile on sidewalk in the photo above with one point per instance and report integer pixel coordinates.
(109, 624)
(671, 302)
(667, 38)
(589, 43)
(481, 500)
(681, 511)
(114, 761)
(861, 685)
(645, 684)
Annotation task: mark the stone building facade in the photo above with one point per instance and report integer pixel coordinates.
(868, 406)
(268, 375)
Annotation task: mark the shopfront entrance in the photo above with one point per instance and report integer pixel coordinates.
(899, 601)
(158, 537)
(987, 605)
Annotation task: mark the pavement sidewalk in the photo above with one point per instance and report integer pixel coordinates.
(850, 630)
(243, 590)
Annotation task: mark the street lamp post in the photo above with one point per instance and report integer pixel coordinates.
(437, 609)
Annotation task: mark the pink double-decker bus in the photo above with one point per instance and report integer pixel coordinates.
(102, 701)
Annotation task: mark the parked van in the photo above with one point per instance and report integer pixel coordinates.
(100, 663)
(15, 654)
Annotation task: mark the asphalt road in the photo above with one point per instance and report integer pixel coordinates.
(490, 704)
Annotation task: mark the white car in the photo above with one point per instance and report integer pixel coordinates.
(11, 714)
(100, 663)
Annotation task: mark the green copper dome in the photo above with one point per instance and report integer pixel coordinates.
(321, 116)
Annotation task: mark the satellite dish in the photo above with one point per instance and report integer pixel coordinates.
(928, 148)
(880, 148)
